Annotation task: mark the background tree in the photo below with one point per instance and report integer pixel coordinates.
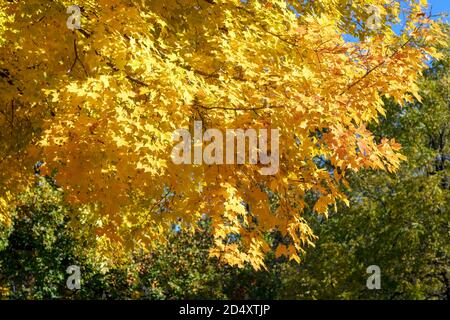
(39, 246)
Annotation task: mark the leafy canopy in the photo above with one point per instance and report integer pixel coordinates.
(98, 107)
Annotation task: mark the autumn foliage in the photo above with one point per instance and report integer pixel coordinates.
(94, 110)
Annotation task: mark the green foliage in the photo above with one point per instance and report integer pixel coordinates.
(182, 270)
(39, 247)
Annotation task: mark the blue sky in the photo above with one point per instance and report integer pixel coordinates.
(437, 7)
(440, 6)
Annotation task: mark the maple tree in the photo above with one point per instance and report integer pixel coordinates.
(94, 109)
(398, 221)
